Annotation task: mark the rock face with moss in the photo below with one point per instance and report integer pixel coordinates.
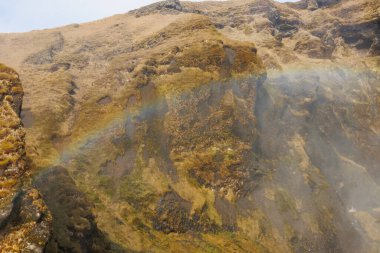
(74, 227)
(12, 149)
(215, 126)
(25, 220)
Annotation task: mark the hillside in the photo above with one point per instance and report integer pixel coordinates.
(224, 126)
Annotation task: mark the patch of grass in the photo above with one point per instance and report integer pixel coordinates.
(178, 83)
(107, 185)
(136, 193)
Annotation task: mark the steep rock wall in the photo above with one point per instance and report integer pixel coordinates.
(25, 220)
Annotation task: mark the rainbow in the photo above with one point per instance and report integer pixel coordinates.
(93, 138)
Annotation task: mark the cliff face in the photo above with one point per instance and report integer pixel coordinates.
(25, 220)
(13, 151)
(27, 224)
(231, 126)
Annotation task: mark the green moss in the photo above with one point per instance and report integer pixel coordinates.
(107, 185)
(285, 202)
(134, 191)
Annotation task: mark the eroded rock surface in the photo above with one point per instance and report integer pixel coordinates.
(25, 220)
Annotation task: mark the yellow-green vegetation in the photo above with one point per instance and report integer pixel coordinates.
(185, 58)
(12, 153)
(7, 73)
(178, 83)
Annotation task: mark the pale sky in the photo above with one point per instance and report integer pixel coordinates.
(26, 15)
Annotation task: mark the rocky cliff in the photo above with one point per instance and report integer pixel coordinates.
(227, 126)
(27, 223)
(25, 220)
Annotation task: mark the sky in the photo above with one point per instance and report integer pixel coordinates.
(27, 15)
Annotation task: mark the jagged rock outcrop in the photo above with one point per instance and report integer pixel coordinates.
(164, 7)
(313, 5)
(13, 160)
(25, 220)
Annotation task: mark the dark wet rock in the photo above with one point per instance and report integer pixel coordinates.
(361, 35)
(172, 215)
(201, 222)
(74, 227)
